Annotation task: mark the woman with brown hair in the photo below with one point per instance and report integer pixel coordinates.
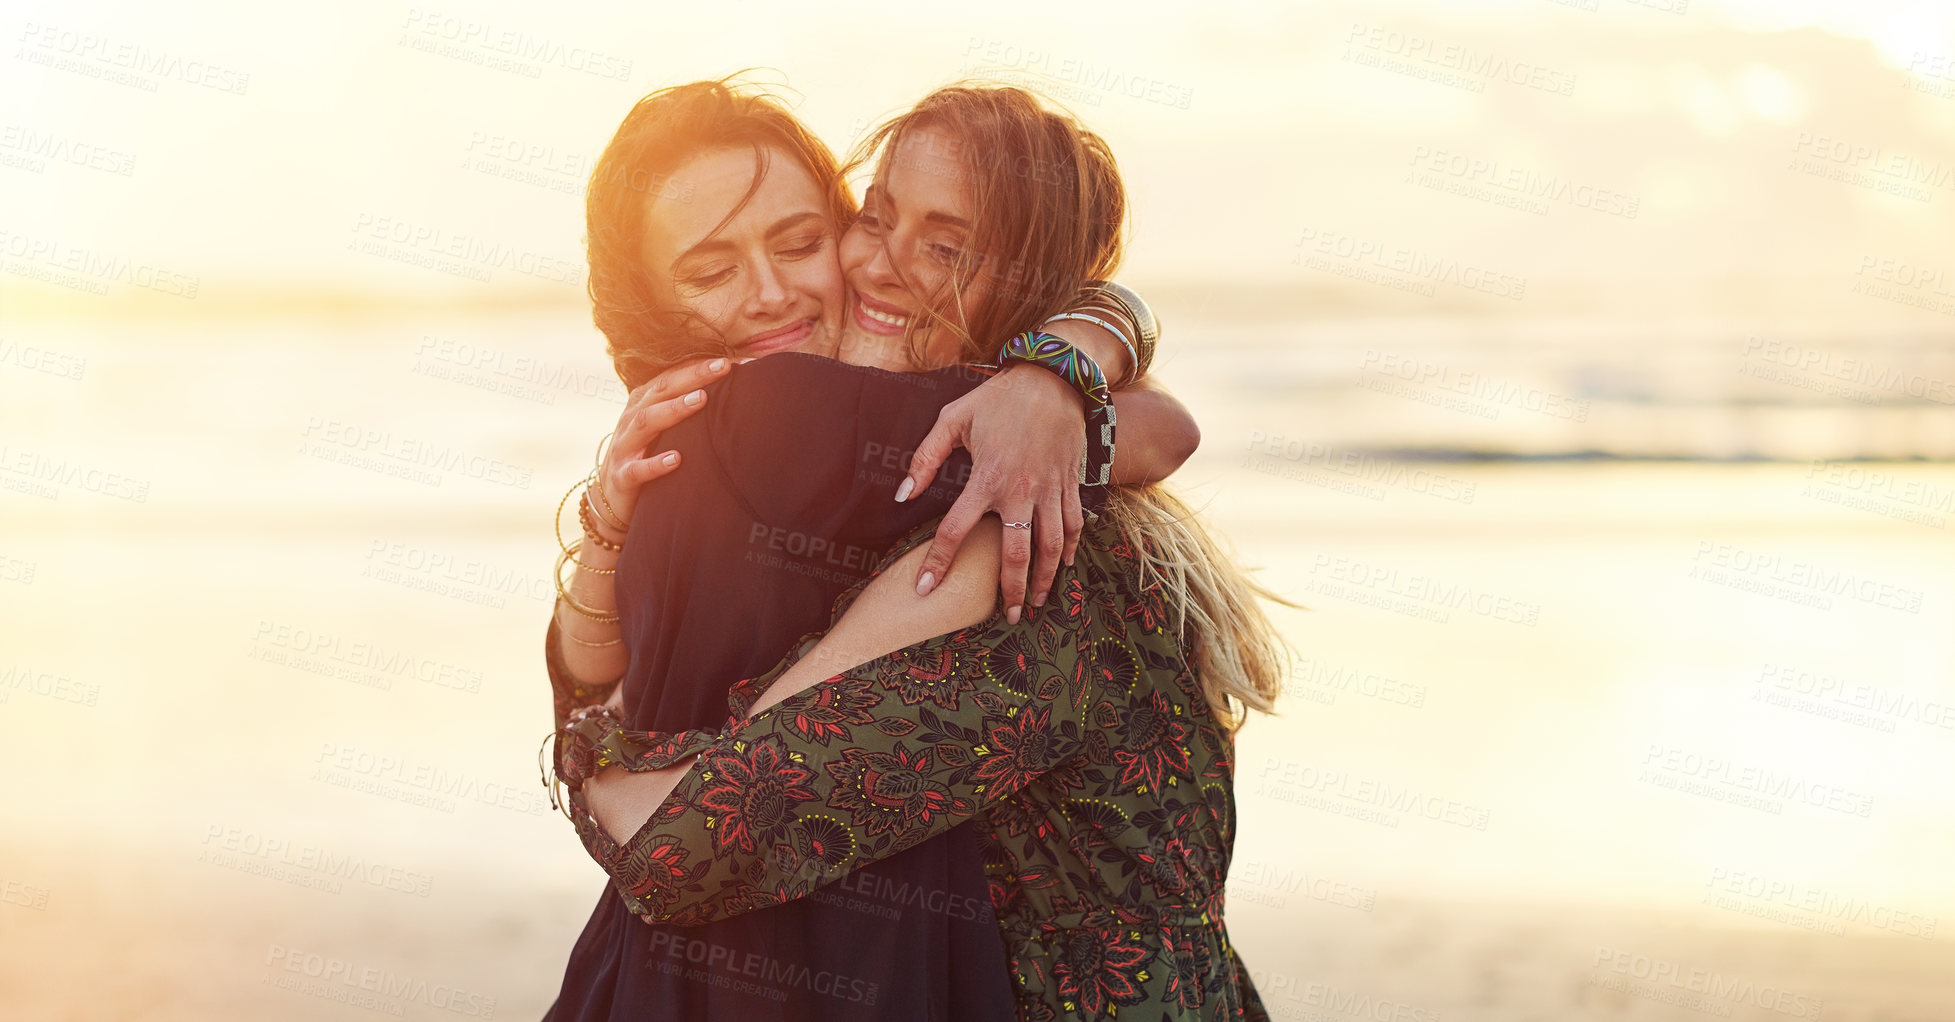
(714, 219)
(1089, 742)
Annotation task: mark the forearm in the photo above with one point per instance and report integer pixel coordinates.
(584, 646)
(1155, 434)
(707, 851)
(591, 646)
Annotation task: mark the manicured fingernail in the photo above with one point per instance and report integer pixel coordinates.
(924, 583)
(695, 397)
(1039, 600)
(743, 361)
(670, 459)
(716, 365)
(903, 491)
(1011, 616)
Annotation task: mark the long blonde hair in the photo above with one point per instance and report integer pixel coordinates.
(1213, 605)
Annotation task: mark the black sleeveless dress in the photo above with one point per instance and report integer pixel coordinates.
(783, 500)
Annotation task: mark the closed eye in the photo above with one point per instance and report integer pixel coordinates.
(808, 249)
(707, 280)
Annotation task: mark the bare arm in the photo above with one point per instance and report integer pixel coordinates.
(1157, 434)
(886, 617)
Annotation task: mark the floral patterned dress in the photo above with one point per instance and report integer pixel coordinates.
(1078, 742)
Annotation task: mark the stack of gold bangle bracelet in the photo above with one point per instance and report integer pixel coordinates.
(563, 594)
(588, 518)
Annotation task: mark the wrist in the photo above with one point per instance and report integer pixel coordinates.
(605, 537)
(1049, 385)
(581, 744)
(601, 514)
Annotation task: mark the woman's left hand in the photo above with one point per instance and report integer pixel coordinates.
(1026, 431)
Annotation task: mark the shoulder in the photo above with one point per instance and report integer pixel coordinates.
(792, 374)
(805, 439)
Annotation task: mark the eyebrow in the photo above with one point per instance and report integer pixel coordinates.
(932, 217)
(717, 243)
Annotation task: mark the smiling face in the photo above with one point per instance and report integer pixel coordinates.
(763, 281)
(909, 252)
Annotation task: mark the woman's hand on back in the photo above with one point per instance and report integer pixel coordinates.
(1026, 431)
(650, 409)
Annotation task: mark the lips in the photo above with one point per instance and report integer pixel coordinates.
(879, 317)
(783, 339)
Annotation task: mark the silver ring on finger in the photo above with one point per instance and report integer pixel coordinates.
(1018, 525)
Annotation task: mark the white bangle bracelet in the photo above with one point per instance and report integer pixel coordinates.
(1133, 357)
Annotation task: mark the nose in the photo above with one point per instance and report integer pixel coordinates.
(879, 271)
(770, 296)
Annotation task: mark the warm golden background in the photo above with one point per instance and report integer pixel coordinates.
(1634, 321)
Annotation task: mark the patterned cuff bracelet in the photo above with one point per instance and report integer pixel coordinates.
(1073, 365)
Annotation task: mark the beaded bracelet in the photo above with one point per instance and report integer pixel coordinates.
(587, 518)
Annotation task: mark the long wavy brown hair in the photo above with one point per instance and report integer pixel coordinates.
(643, 333)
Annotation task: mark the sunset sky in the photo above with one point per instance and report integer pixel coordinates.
(247, 152)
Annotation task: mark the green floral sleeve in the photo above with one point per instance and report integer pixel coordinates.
(865, 764)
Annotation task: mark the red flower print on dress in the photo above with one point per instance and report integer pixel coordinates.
(1010, 663)
(1149, 612)
(1190, 966)
(891, 792)
(836, 706)
(1153, 741)
(1112, 665)
(753, 794)
(655, 877)
(1021, 747)
(926, 673)
(1099, 967)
